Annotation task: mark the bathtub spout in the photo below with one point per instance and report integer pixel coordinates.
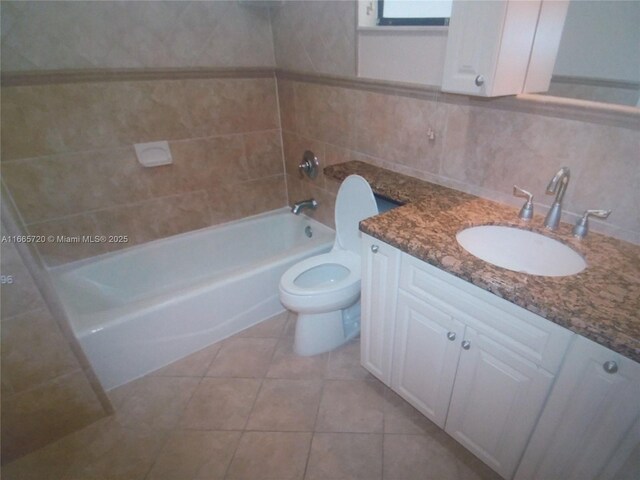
(299, 206)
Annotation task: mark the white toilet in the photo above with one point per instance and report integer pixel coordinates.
(325, 290)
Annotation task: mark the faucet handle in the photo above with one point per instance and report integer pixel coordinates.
(596, 213)
(526, 212)
(582, 225)
(309, 165)
(520, 192)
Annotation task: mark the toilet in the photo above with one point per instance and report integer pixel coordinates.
(325, 290)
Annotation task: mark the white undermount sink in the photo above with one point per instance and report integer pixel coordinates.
(521, 251)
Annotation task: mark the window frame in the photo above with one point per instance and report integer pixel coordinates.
(408, 22)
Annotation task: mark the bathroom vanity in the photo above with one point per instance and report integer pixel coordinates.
(482, 368)
(537, 376)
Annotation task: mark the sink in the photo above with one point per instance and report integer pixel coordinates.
(521, 251)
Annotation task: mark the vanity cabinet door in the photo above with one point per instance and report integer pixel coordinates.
(426, 351)
(380, 266)
(591, 420)
(497, 397)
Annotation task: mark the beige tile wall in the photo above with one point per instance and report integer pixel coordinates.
(69, 164)
(59, 35)
(46, 393)
(315, 36)
(477, 148)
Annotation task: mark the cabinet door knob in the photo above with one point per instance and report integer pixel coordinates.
(479, 80)
(610, 367)
(374, 248)
(466, 344)
(451, 336)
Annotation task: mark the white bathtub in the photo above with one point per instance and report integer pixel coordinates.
(144, 307)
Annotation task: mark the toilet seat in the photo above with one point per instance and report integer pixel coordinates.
(344, 258)
(326, 296)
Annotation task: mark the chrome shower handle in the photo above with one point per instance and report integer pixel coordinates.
(309, 165)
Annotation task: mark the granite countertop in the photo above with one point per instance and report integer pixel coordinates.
(601, 303)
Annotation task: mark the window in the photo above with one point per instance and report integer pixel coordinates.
(414, 12)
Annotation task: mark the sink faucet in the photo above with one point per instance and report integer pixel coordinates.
(298, 206)
(557, 185)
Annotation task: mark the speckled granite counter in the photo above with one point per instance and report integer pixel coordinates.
(601, 303)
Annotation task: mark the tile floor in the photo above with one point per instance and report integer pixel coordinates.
(248, 408)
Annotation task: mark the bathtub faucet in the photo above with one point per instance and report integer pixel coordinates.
(299, 206)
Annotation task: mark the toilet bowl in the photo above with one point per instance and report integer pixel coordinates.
(325, 290)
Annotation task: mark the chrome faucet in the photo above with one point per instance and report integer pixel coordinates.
(299, 206)
(557, 185)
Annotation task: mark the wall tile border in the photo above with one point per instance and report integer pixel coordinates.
(567, 108)
(595, 82)
(371, 85)
(593, 112)
(48, 77)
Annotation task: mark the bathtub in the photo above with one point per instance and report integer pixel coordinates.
(144, 307)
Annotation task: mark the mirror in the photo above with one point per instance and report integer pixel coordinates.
(599, 54)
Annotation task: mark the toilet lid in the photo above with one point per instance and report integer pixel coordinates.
(354, 203)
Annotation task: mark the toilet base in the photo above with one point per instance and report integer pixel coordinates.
(322, 332)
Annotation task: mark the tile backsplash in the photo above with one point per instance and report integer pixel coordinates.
(477, 147)
(68, 158)
(69, 163)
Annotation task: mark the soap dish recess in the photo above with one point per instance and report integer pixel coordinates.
(153, 154)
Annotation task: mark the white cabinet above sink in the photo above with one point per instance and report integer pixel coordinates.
(502, 47)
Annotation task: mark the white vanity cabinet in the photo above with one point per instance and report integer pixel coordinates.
(496, 400)
(380, 267)
(591, 422)
(476, 365)
(425, 356)
(494, 376)
(494, 46)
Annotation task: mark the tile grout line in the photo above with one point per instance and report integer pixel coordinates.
(306, 463)
(253, 405)
(144, 201)
(315, 422)
(176, 427)
(385, 404)
(284, 162)
(129, 146)
(177, 424)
